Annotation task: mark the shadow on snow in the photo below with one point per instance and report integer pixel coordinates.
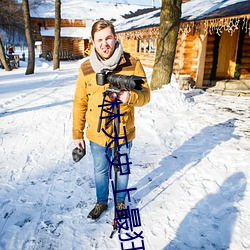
(22, 110)
(190, 153)
(209, 225)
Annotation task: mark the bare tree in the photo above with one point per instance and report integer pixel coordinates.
(3, 57)
(11, 16)
(168, 34)
(56, 59)
(28, 33)
(11, 24)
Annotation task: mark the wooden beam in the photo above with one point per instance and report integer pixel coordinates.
(201, 60)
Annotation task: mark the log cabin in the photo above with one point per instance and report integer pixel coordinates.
(77, 19)
(213, 41)
(74, 37)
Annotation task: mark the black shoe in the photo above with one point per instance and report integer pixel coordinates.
(120, 209)
(97, 210)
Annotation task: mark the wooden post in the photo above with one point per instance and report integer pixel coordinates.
(201, 60)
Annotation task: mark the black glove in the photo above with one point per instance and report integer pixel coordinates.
(78, 153)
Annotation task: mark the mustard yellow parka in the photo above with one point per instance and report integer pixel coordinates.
(88, 95)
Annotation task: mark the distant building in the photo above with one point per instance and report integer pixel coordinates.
(75, 36)
(77, 19)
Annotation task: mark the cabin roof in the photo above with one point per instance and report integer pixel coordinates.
(140, 21)
(208, 9)
(193, 10)
(84, 10)
(77, 32)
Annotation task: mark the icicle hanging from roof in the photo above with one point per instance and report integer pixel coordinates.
(229, 24)
(218, 25)
(246, 25)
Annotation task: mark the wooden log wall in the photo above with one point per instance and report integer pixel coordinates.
(186, 55)
(79, 46)
(66, 44)
(185, 59)
(73, 45)
(50, 22)
(146, 59)
(178, 61)
(190, 56)
(245, 60)
(209, 57)
(47, 45)
(131, 46)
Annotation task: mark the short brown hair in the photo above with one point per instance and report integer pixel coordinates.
(101, 24)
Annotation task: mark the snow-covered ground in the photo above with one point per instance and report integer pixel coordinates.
(190, 165)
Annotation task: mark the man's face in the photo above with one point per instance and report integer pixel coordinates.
(104, 42)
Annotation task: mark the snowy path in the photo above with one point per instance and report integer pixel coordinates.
(185, 189)
(190, 167)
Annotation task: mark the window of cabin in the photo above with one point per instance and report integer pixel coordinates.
(152, 45)
(146, 45)
(139, 45)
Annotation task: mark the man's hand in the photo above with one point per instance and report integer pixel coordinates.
(79, 143)
(79, 151)
(123, 96)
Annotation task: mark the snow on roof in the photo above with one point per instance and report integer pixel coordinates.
(192, 10)
(145, 20)
(198, 9)
(79, 32)
(85, 10)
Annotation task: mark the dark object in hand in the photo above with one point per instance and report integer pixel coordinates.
(119, 81)
(78, 153)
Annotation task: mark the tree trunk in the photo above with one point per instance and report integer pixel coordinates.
(168, 34)
(56, 59)
(3, 57)
(28, 33)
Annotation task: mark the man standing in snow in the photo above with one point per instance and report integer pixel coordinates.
(107, 54)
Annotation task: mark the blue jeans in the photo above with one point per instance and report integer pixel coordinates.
(101, 171)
